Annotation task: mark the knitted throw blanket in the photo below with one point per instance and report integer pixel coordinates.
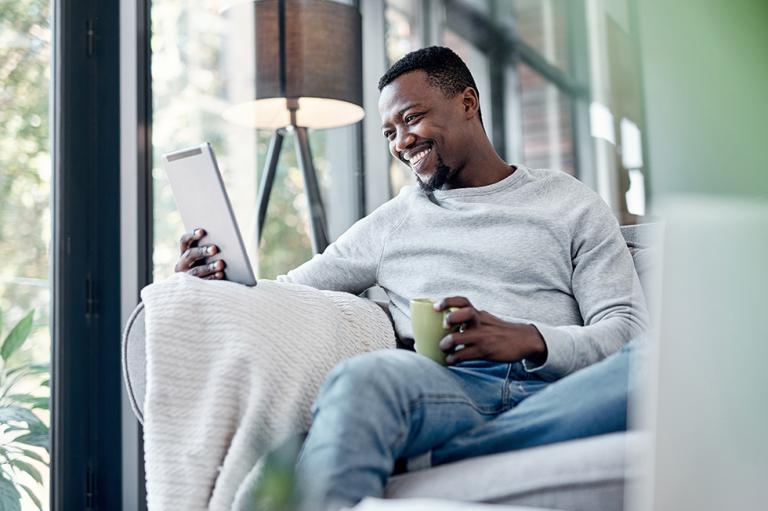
(232, 371)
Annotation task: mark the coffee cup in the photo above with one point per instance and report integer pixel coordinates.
(429, 327)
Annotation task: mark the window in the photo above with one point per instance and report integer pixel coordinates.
(541, 24)
(200, 66)
(546, 123)
(25, 232)
(521, 54)
(402, 36)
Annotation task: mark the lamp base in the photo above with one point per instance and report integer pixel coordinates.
(317, 221)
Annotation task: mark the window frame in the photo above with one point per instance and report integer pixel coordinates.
(85, 374)
(505, 49)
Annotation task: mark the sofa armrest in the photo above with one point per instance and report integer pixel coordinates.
(134, 357)
(134, 361)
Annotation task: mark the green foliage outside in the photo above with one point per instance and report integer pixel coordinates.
(285, 243)
(195, 76)
(24, 154)
(25, 233)
(24, 388)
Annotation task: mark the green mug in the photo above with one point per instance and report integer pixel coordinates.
(428, 328)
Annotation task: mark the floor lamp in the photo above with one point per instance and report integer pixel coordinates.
(308, 75)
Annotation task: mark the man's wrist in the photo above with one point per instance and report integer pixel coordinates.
(537, 350)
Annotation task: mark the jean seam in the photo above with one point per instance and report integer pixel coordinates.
(450, 398)
(419, 402)
(505, 394)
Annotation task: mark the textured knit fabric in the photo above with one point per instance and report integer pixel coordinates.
(231, 372)
(537, 247)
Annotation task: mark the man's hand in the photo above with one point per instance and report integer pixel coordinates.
(486, 337)
(193, 255)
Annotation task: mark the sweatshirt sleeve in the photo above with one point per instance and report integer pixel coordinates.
(350, 263)
(607, 289)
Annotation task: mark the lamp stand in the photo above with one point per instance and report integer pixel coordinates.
(318, 225)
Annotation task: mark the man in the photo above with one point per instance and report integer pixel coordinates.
(536, 249)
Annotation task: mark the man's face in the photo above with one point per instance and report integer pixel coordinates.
(425, 129)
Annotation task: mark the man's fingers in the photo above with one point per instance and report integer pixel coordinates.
(207, 269)
(462, 315)
(219, 275)
(451, 341)
(468, 353)
(190, 239)
(204, 251)
(452, 301)
(193, 255)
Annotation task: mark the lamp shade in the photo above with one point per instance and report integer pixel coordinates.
(308, 58)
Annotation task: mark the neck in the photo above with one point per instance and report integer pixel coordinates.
(484, 168)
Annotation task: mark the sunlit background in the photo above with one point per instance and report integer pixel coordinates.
(645, 101)
(533, 61)
(25, 234)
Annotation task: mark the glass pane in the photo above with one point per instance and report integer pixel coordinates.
(480, 67)
(200, 66)
(401, 32)
(546, 118)
(542, 25)
(401, 37)
(25, 234)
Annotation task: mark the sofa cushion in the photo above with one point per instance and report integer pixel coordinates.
(644, 243)
(586, 474)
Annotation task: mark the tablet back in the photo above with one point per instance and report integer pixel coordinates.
(202, 202)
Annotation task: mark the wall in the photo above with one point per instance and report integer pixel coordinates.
(706, 83)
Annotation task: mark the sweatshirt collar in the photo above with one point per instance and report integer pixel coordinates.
(507, 182)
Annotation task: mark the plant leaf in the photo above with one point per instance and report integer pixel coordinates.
(35, 401)
(10, 498)
(41, 368)
(29, 469)
(45, 383)
(33, 455)
(18, 336)
(19, 414)
(32, 496)
(33, 439)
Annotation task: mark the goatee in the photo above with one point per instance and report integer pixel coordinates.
(438, 179)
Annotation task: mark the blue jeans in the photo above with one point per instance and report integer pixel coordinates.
(390, 404)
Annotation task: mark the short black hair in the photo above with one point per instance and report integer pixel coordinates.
(443, 67)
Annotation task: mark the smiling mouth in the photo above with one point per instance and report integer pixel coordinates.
(416, 162)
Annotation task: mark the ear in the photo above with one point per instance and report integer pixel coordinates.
(471, 102)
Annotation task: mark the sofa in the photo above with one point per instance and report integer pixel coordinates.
(587, 474)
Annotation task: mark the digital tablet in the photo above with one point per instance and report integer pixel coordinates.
(203, 202)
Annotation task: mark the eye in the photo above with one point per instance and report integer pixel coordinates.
(410, 118)
(388, 134)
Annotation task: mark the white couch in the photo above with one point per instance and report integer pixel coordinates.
(582, 475)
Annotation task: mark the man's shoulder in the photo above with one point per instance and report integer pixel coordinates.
(570, 200)
(394, 208)
(562, 184)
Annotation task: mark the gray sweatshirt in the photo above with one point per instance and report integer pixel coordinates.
(537, 247)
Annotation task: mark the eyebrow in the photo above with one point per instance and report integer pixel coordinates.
(401, 112)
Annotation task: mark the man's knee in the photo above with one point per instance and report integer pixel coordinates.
(371, 375)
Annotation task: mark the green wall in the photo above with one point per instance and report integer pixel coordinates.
(705, 65)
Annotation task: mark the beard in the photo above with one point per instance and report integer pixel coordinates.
(438, 179)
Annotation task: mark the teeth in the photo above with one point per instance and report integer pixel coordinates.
(419, 156)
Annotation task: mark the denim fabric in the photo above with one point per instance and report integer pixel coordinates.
(381, 406)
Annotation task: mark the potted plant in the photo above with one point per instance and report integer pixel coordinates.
(23, 435)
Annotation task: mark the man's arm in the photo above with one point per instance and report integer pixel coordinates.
(351, 263)
(607, 289)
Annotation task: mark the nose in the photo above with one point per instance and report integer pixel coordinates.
(403, 140)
